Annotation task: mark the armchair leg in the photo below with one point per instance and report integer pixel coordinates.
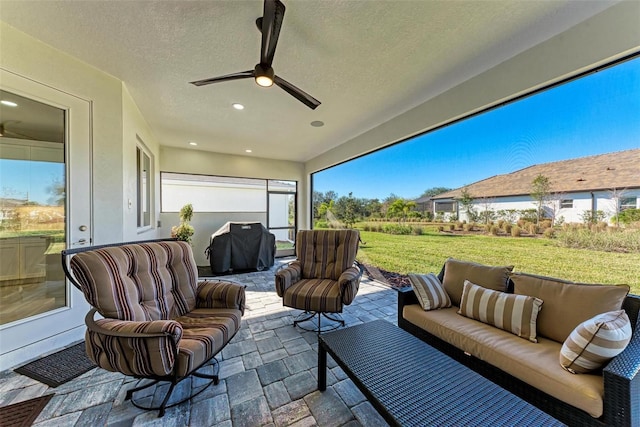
(309, 315)
(166, 403)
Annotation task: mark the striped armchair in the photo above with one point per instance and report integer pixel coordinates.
(324, 277)
(158, 321)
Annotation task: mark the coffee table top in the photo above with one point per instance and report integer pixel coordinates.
(412, 384)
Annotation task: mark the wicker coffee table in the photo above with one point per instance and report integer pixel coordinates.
(412, 384)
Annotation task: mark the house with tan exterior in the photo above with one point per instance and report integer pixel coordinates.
(609, 183)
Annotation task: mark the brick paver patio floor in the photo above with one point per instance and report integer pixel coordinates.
(268, 376)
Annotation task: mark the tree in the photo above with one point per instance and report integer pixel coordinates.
(400, 209)
(487, 214)
(616, 195)
(466, 200)
(434, 191)
(540, 192)
(554, 203)
(350, 211)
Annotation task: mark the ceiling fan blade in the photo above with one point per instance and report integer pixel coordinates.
(299, 94)
(235, 76)
(271, 24)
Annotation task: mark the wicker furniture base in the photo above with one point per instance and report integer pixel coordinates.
(412, 384)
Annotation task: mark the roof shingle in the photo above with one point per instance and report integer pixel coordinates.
(620, 170)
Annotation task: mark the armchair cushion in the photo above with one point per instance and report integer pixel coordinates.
(320, 295)
(216, 294)
(325, 254)
(206, 331)
(147, 281)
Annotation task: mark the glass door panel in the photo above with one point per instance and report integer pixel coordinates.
(32, 207)
(281, 217)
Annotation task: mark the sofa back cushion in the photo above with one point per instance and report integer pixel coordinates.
(326, 254)
(140, 281)
(567, 304)
(456, 272)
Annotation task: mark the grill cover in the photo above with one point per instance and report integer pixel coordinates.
(241, 246)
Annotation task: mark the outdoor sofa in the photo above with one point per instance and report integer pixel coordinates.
(532, 370)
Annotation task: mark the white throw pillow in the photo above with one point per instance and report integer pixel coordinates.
(596, 341)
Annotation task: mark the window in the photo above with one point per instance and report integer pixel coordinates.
(445, 207)
(566, 203)
(628, 203)
(281, 220)
(144, 176)
(223, 198)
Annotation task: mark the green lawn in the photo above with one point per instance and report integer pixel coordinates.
(427, 253)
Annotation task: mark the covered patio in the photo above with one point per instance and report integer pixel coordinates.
(268, 375)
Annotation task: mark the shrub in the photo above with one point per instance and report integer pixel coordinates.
(417, 231)
(467, 227)
(627, 241)
(545, 224)
(549, 233)
(521, 223)
(507, 228)
(397, 229)
(494, 230)
(628, 216)
(501, 223)
(532, 228)
(516, 231)
(452, 227)
(440, 228)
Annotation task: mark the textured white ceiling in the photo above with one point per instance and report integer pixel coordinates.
(366, 61)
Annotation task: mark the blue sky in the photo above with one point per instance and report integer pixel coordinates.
(22, 179)
(597, 114)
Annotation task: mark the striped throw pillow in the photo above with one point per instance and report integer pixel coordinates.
(596, 341)
(513, 313)
(429, 290)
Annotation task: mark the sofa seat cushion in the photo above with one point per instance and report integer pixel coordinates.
(534, 363)
(205, 332)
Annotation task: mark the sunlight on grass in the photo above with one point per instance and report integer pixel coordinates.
(427, 253)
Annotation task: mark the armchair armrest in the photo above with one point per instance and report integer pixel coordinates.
(217, 294)
(349, 282)
(622, 385)
(115, 345)
(288, 276)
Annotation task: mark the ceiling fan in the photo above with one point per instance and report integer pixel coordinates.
(269, 24)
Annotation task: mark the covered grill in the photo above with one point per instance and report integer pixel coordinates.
(241, 246)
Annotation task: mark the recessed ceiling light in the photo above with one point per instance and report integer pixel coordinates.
(248, 151)
(317, 124)
(193, 143)
(8, 103)
(238, 106)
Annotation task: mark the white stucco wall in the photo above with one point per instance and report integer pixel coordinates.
(582, 201)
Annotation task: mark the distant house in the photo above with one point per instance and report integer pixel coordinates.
(607, 183)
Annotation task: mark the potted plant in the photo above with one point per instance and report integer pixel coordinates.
(184, 231)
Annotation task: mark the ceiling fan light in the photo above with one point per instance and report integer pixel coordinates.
(264, 81)
(264, 75)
